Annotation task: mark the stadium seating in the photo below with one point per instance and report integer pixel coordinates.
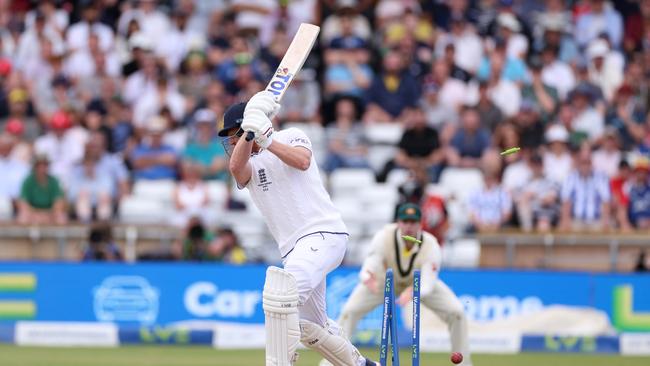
(384, 133)
(350, 182)
(5, 208)
(154, 189)
(141, 210)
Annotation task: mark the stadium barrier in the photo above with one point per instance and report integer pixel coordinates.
(62, 304)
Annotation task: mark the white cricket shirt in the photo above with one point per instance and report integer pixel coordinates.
(294, 203)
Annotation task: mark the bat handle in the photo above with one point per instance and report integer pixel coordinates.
(249, 135)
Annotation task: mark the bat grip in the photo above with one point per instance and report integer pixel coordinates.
(249, 135)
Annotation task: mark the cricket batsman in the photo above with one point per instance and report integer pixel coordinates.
(390, 250)
(280, 172)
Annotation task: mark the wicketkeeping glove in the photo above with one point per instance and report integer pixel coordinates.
(263, 101)
(257, 122)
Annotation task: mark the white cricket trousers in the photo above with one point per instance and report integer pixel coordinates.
(313, 257)
(441, 301)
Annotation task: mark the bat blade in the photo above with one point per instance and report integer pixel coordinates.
(292, 62)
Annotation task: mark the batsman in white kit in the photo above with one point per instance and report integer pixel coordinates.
(390, 250)
(280, 172)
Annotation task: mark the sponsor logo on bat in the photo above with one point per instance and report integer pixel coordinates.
(280, 81)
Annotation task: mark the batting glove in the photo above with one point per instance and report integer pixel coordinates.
(258, 123)
(263, 101)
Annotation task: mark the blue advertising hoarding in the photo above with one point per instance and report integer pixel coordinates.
(159, 294)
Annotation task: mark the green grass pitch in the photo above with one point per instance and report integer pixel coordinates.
(205, 356)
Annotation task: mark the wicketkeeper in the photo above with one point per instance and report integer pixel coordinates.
(390, 250)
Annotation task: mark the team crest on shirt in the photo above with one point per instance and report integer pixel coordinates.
(264, 183)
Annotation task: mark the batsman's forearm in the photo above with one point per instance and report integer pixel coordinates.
(294, 156)
(238, 165)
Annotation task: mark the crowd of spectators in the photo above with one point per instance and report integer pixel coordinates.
(98, 94)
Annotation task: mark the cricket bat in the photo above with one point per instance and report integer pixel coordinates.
(292, 62)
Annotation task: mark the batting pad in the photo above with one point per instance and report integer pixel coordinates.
(280, 303)
(329, 342)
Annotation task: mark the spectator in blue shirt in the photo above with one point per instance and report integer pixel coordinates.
(585, 196)
(392, 93)
(205, 149)
(601, 18)
(348, 72)
(639, 196)
(151, 159)
(469, 142)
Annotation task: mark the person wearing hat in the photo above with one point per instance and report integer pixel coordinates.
(588, 120)
(557, 158)
(204, 149)
(63, 145)
(389, 250)
(41, 198)
(281, 174)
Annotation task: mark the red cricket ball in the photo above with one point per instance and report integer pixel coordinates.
(456, 357)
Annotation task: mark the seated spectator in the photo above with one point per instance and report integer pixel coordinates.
(600, 18)
(586, 197)
(348, 72)
(151, 103)
(639, 195)
(529, 125)
(555, 73)
(626, 117)
(41, 197)
(227, 248)
(112, 164)
(205, 149)
(555, 28)
(469, 142)
(13, 171)
(607, 157)
(605, 67)
(101, 246)
(18, 104)
(419, 148)
(90, 189)
(490, 207)
(453, 92)
(152, 159)
(439, 116)
(392, 93)
(63, 145)
(588, 121)
(498, 65)
(619, 185)
(517, 172)
(540, 93)
(489, 113)
(538, 205)
(503, 92)
(509, 30)
(466, 46)
(21, 149)
(191, 196)
(557, 158)
(346, 143)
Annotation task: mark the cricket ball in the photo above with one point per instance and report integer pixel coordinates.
(456, 357)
